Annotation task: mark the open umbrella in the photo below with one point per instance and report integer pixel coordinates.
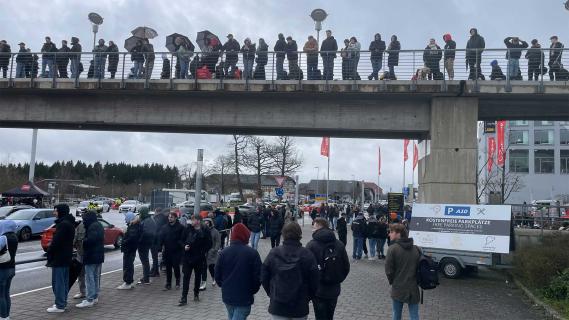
(171, 45)
(204, 37)
(131, 42)
(144, 32)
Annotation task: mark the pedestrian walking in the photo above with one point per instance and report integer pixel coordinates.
(48, 58)
(280, 50)
(78, 246)
(172, 242)
(75, 57)
(5, 57)
(449, 55)
(221, 223)
(536, 65)
(149, 57)
(342, 229)
(129, 246)
(238, 274)
(212, 254)
(62, 59)
(333, 265)
(100, 58)
(231, 48)
(474, 48)
(290, 276)
(328, 51)
(93, 258)
(311, 50)
(276, 224)
(376, 48)
(160, 219)
(59, 255)
(358, 234)
(513, 55)
(197, 242)
(254, 223)
(393, 56)
(383, 234)
(8, 249)
(401, 271)
(148, 232)
(113, 54)
(555, 54)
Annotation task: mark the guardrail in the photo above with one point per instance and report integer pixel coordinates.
(540, 216)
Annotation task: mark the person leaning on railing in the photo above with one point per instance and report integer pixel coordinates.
(113, 54)
(75, 57)
(393, 56)
(280, 49)
(311, 49)
(4, 57)
(536, 59)
(62, 59)
(328, 53)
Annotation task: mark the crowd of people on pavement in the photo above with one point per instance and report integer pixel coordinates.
(55, 61)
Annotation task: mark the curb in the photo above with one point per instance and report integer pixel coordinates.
(552, 313)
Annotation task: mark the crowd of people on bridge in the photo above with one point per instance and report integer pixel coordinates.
(55, 61)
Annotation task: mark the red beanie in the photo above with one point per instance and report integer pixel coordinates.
(240, 232)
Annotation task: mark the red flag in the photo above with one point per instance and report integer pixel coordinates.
(325, 147)
(415, 156)
(500, 132)
(491, 151)
(379, 161)
(405, 145)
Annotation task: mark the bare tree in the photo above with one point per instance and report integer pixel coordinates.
(238, 146)
(286, 158)
(260, 159)
(499, 181)
(220, 165)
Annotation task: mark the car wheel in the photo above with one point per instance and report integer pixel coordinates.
(25, 234)
(451, 268)
(118, 242)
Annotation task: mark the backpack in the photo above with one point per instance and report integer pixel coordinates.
(427, 273)
(287, 283)
(331, 269)
(203, 73)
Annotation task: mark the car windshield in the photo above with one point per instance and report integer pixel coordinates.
(84, 204)
(5, 210)
(130, 202)
(22, 215)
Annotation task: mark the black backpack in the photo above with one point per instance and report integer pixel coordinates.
(331, 269)
(427, 273)
(288, 281)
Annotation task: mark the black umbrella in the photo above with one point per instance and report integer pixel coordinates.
(204, 37)
(171, 44)
(131, 42)
(144, 32)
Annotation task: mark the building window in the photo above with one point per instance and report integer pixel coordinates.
(544, 161)
(518, 123)
(565, 161)
(519, 161)
(543, 136)
(564, 136)
(543, 123)
(519, 137)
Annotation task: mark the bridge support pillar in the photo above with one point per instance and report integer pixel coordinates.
(448, 173)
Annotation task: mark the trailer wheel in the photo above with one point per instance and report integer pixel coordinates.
(451, 268)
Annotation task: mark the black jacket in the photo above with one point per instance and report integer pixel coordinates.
(94, 242)
(199, 241)
(60, 251)
(393, 51)
(359, 227)
(535, 57)
(322, 239)
(12, 241)
(280, 47)
(136, 54)
(231, 48)
(62, 58)
(555, 53)
(450, 49)
(48, 50)
(431, 58)
(254, 222)
(160, 220)
(383, 230)
(238, 273)
(377, 47)
(24, 56)
(131, 237)
(147, 232)
(5, 55)
(515, 51)
(476, 41)
(291, 51)
(262, 54)
(276, 224)
(172, 239)
(248, 52)
(372, 229)
(329, 44)
(290, 252)
(113, 58)
(76, 49)
(342, 226)
(497, 74)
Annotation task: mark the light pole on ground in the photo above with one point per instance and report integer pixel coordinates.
(318, 15)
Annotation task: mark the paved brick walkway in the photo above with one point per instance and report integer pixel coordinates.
(365, 295)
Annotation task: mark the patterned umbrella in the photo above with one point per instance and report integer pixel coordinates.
(171, 45)
(144, 32)
(131, 42)
(204, 37)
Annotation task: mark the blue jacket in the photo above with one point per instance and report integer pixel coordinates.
(238, 273)
(94, 242)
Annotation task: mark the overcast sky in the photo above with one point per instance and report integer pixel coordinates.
(413, 21)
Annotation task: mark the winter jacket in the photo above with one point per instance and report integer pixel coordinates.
(160, 220)
(101, 51)
(497, 73)
(322, 239)
(213, 252)
(401, 271)
(8, 230)
(515, 49)
(311, 49)
(291, 51)
(254, 222)
(450, 49)
(147, 232)
(131, 238)
(432, 56)
(94, 241)
(535, 57)
(476, 41)
(48, 50)
(248, 52)
(231, 48)
(291, 252)
(276, 224)
(136, 54)
(172, 239)
(62, 57)
(372, 228)
(342, 226)
(148, 50)
(555, 53)
(262, 54)
(113, 58)
(238, 273)
(355, 49)
(280, 47)
(60, 251)
(5, 55)
(24, 56)
(76, 51)
(78, 240)
(237, 217)
(199, 241)
(183, 54)
(383, 230)
(393, 51)
(330, 45)
(377, 47)
(359, 227)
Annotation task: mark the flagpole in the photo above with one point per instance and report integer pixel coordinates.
(413, 177)
(328, 175)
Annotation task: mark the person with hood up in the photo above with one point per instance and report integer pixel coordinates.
(450, 53)
(383, 233)
(254, 223)
(8, 248)
(328, 51)
(393, 56)
(401, 271)
(237, 216)
(165, 74)
(276, 224)
(59, 256)
(48, 58)
(62, 59)
(358, 232)
(280, 49)
(342, 228)
(474, 48)
(555, 54)
(333, 272)
(128, 248)
(212, 254)
(377, 48)
(432, 57)
(290, 276)
(292, 57)
(354, 48)
(515, 46)
(147, 234)
(221, 223)
(75, 57)
(93, 257)
(248, 51)
(113, 54)
(231, 48)
(100, 53)
(4, 57)
(497, 73)
(238, 274)
(137, 57)
(197, 242)
(262, 60)
(172, 241)
(311, 50)
(536, 60)
(160, 219)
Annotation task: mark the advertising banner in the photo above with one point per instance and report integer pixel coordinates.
(478, 228)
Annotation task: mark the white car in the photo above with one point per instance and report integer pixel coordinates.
(130, 205)
(84, 205)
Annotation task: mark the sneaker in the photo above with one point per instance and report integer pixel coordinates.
(54, 309)
(182, 302)
(213, 284)
(177, 287)
(167, 287)
(203, 286)
(79, 296)
(96, 301)
(85, 304)
(370, 258)
(125, 286)
(141, 281)
(196, 298)
(365, 256)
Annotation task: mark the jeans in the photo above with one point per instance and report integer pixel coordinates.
(312, 70)
(513, 66)
(328, 64)
(324, 308)
(4, 71)
(237, 312)
(6, 276)
(99, 69)
(248, 68)
(60, 285)
(47, 62)
(74, 68)
(372, 247)
(358, 247)
(93, 281)
(380, 247)
(392, 72)
(398, 310)
(128, 267)
(137, 69)
(254, 239)
(334, 223)
(184, 66)
(143, 256)
(375, 66)
(196, 267)
(20, 70)
(275, 240)
(148, 69)
(280, 68)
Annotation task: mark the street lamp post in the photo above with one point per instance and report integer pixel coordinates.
(353, 184)
(113, 187)
(139, 192)
(96, 20)
(318, 15)
(317, 178)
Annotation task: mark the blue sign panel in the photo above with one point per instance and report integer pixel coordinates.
(457, 211)
(279, 192)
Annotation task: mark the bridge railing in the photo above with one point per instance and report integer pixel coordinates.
(354, 66)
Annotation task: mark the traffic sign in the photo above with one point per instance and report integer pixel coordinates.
(279, 192)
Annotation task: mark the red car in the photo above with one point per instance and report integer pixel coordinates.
(113, 235)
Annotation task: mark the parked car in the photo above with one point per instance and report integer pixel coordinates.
(100, 207)
(8, 210)
(247, 209)
(130, 205)
(31, 222)
(113, 235)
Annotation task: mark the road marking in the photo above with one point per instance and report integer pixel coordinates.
(30, 269)
(49, 287)
(39, 251)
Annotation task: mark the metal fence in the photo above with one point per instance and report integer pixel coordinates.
(549, 217)
(295, 66)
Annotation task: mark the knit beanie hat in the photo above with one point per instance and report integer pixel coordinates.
(240, 233)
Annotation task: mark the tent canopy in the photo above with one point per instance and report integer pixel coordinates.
(29, 189)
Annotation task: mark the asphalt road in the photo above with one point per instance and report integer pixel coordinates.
(35, 275)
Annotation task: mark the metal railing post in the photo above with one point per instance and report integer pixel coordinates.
(246, 72)
(508, 87)
(444, 84)
(122, 75)
(10, 80)
(476, 71)
(190, 71)
(273, 86)
(171, 76)
(146, 75)
(324, 65)
(221, 78)
(541, 88)
(53, 72)
(413, 86)
(300, 73)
